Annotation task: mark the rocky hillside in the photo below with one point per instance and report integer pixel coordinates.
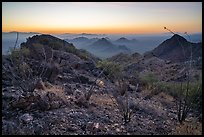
(51, 88)
(56, 44)
(125, 59)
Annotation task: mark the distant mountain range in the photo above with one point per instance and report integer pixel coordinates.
(81, 42)
(100, 47)
(25, 33)
(175, 49)
(106, 46)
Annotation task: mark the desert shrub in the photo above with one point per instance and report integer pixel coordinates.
(52, 70)
(38, 47)
(56, 45)
(122, 97)
(188, 128)
(15, 55)
(169, 88)
(70, 48)
(190, 98)
(150, 80)
(20, 69)
(174, 89)
(25, 51)
(83, 54)
(44, 41)
(192, 87)
(111, 70)
(18, 55)
(24, 69)
(195, 95)
(161, 87)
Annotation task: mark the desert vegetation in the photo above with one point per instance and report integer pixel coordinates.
(50, 87)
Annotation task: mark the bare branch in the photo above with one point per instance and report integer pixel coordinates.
(16, 41)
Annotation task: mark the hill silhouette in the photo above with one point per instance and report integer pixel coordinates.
(177, 49)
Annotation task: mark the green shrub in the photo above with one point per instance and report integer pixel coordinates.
(111, 69)
(160, 87)
(15, 54)
(44, 41)
(149, 79)
(18, 56)
(174, 89)
(71, 49)
(190, 97)
(83, 54)
(25, 51)
(38, 46)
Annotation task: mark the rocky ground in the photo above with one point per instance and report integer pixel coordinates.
(101, 115)
(58, 107)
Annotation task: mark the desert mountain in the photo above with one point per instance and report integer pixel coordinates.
(80, 39)
(48, 41)
(177, 49)
(81, 42)
(104, 48)
(124, 40)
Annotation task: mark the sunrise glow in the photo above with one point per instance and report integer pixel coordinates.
(101, 17)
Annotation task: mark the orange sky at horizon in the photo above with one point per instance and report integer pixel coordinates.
(101, 18)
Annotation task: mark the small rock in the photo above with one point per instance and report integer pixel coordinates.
(117, 129)
(93, 127)
(26, 118)
(131, 87)
(115, 124)
(96, 125)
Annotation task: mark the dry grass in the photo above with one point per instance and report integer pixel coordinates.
(188, 128)
(102, 100)
(166, 97)
(100, 83)
(57, 90)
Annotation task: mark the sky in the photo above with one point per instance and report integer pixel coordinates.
(102, 17)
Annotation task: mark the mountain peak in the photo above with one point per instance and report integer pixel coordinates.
(178, 37)
(81, 38)
(123, 38)
(104, 40)
(173, 48)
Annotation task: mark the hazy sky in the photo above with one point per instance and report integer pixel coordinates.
(102, 17)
